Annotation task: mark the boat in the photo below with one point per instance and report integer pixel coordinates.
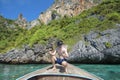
(47, 73)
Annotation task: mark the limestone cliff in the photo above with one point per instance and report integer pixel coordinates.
(62, 8)
(21, 21)
(59, 9)
(98, 47)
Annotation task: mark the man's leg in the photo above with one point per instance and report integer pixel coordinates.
(53, 62)
(64, 64)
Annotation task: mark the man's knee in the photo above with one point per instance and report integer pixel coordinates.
(53, 58)
(64, 63)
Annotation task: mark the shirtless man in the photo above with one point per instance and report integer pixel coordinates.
(63, 54)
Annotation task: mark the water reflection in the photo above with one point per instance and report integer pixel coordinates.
(6, 70)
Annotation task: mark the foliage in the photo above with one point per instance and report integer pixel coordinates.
(114, 17)
(108, 45)
(69, 29)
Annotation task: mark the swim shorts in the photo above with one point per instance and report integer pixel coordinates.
(59, 61)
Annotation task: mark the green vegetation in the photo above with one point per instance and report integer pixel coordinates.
(108, 45)
(69, 29)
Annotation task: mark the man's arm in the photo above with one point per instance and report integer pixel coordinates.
(65, 53)
(52, 53)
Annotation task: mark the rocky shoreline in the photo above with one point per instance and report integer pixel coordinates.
(97, 47)
(35, 54)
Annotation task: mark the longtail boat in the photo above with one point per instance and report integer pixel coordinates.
(73, 73)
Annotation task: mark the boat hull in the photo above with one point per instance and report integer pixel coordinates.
(47, 73)
(57, 77)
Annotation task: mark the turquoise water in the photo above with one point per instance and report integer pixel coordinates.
(107, 72)
(11, 72)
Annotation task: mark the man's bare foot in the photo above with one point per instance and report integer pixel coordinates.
(53, 68)
(66, 71)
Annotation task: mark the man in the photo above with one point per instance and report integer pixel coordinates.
(63, 54)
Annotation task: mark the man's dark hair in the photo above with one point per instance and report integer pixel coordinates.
(59, 43)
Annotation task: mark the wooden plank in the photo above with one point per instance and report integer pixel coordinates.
(73, 72)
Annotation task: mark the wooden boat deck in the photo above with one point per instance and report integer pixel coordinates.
(74, 73)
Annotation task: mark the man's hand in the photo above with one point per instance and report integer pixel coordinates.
(52, 52)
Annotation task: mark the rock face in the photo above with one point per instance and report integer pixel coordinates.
(59, 9)
(98, 47)
(21, 21)
(62, 8)
(34, 23)
(36, 54)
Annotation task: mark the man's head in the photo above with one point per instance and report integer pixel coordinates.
(60, 43)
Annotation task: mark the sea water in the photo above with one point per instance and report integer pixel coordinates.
(107, 72)
(12, 72)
